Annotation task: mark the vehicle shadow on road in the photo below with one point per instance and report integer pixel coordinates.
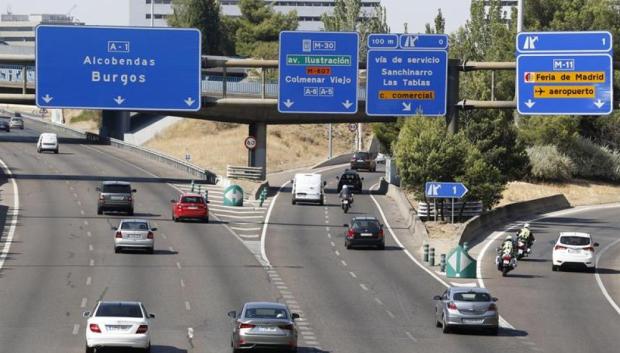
(529, 259)
(370, 248)
(607, 271)
(154, 349)
(503, 332)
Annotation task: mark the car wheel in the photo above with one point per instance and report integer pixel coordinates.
(437, 322)
(99, 211)
(38, 150)
(151, 250)
(90, 349)
(56, 151)
(381, 247)
(591, 269)
(444, 325)
(206, 220)
(322, 203)
(117, 250)
(148, 349)
(494, 331)
(554, 268)
(130, 212)
(293, 202)
(293, 350)
(348, 245)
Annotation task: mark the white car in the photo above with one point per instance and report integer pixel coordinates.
(118, 324)
(573, 248)
(47, 142)
(308, 188)
(134, 234)
(380, 159)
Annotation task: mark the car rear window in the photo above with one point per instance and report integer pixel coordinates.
(350, 177)
(266, 313)
(117, 189)
(571, 240)
(361, 155)
(192, 199)
(134, 226)
(472, 297)
(119, 310)
(370, 226)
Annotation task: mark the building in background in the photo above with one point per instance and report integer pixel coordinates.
(308, 11)
(18, 30)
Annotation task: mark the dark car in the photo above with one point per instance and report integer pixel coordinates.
(362, 160)
(5, 124)
(115, 196)
(364, 231)
(351, 178)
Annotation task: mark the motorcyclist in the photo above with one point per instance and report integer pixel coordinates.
(508, 247)
(346, 194)
(526, 235)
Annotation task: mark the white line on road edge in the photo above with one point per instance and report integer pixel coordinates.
(411, 336)
(15, 212)
(600, 282)
(363, 286)
(503, 322)
(353, 274)
(76, 329)
(182, 284)
(89, 280)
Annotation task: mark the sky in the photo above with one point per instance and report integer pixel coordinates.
(416, 13)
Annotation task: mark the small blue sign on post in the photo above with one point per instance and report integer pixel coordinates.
(118, 68)
(407, 74)
(318, 72)
(434, 189)
(564, 73)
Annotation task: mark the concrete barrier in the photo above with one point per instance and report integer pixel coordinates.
(414, 223)
(340, 159)
(508, 213)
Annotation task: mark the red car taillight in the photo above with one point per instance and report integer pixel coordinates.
(506, 257)
(492, 307)
(119, 235)
(380, 233)
(246, 326)
(150, 235)
(142, 329)
(589, 248)
(94, 328)
(560, 247)
(286, 327)
(350, 233)
(452, 306)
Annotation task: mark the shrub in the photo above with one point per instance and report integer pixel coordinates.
(548, 163)
(593, 161)
(548, 130)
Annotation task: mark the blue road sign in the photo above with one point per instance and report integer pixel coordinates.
(564, 73)
(118, 68)
(434, 189)
(318, 72)
(410, 79)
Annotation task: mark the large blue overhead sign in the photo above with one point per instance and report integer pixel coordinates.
(407, 74)
(318, 72)
(118, 68)
(564, 73)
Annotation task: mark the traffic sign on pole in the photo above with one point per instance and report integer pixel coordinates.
(318, 72)
(407, 74)
(250, 142)
(118, 68)
(440, 190)
(564, 73)
(233, 196)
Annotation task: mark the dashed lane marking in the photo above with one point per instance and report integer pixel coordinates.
(89, 234)
(83, 303)
(182, 283)
(90, 247)
(178, 265)
(363, 286)
(187, 306)
(410, 336)
(76, 329)
(390, 314)
(353, 274)
(337, 253)
(378, 301)
(332, 243)
(85, 222)
(92, 262)
(89, 280)
(344, 263)
(82, 212)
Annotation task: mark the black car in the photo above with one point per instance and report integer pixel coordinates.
(5, 124)
(362, 160)
(351, 178)
(115, 196)
(364, 231)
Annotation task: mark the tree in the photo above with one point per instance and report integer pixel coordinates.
(387, 133)
(204, 15)
(440, 24)
(259, 29)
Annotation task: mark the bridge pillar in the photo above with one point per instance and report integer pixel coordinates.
(257, 157)
(114, 124)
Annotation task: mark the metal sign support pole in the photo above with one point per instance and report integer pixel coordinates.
(329, 154)
(452, 118)
(452, 210)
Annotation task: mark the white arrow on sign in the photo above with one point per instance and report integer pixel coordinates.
(530, 103)
(347, 104)
(288, 103)
(599, 103)
(119, 100)
(189, 101)
(406, 107)
(47, 98)
(233, 195)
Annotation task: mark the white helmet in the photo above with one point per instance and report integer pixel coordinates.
(526, 225)
(508, 237)
(344, 187)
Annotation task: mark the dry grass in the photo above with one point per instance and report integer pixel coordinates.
(215, 145)
(578, 192)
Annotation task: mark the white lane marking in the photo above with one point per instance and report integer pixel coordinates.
(89, 280)
(239, 212)
(182, 283)
(187, 306)
(363, 286)
(85, 222)
(92, 262)
(237, 217)
(245, 229)
(178, 265)
(90, 247)
(468, 284)
(378, 301)
(600, 282)
(89, 234)
(79, 203)
(83, 303)
(332, 243)
(164, 236)
(82, 212)
(410, 336)
(344, 263)
(337, 253)
(304, 328)
(263, 252)
(171, 249)
(15, 213)
(329, 235)
(75, 195)
(390, 314)
(282, 287)
(353, 274)
(190, 333)
(327, 229)
(286, 291)
(76, 329)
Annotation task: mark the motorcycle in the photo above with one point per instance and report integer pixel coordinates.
(345, 205)
(523, 249)
(505, 262)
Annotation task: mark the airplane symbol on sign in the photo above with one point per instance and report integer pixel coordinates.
(540, 91)
(530, 42)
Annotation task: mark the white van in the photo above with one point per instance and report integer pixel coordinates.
(308, 188)
(47, 142)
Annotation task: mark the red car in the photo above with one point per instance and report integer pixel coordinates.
(190, 206)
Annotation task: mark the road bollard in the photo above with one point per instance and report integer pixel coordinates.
(425, 246)
(263, 196)
(192, 186)
(206, 194)
(442, 262)
(465, 246)
(199, 189)
(431, 257)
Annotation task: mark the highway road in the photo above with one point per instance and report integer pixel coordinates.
(564, 311)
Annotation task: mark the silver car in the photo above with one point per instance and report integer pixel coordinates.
(466, 307)
(17, 123)
(264, 325)
(134, 234)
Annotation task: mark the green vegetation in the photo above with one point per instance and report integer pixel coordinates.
(206, 16)
(88, 115)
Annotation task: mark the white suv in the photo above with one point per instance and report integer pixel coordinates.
(47, 142)
(118, 324)
(573, 248)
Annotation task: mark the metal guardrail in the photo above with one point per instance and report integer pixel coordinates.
(427, 210)
(252, 173)
(147, 153)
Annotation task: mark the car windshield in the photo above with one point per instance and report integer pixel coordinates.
(134, 226)
(119, 310)
(349, 177)
(361, 155)
(571, 240)
(472, 297)
(266, 313)
(117, 189)
(366, 225)
(191, 199)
